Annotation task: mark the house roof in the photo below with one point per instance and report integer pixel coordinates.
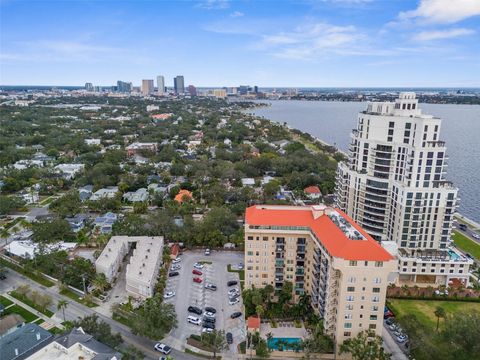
(25, 339)
(312, 190)
(253, 322)
(326, 223)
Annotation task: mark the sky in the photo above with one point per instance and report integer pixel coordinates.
(303, 43)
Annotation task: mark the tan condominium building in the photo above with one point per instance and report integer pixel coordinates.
(143, 266)
(324, 254)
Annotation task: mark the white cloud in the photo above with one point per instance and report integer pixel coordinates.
(443, 11)
(236, 14)
(213, 4)
(442, 34)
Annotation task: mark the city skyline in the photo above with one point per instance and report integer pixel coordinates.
(336, 43)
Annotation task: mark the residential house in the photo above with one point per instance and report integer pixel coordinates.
(77, 222)
(105, 193)
(140, 195)
(182, 195)
(24, 340)
(135, 147)
(69, 171)
(313, 192)
(248, 182)
(105, 222)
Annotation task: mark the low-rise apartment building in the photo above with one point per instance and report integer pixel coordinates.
(143, 266)
(324, 254)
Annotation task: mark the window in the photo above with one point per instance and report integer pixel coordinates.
(250, 253)
(348, 316)
(349, 307)
(376, 290)
(350, 298)
(351, 288)
(374, 307)
(375, 299)
(347, 333)
(352, 263)
(347, 325)
(377, 280)
(372, 326)
(378, 263)
(351, 280)
(373, 317)
(250, 238)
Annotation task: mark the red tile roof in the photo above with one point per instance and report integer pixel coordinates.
(312, 190)
(181, 194)
(253, 322)
(331, 236)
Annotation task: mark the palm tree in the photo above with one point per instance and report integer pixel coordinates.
(269, 337)
(100, 282)
(62, 305)
(440, 313)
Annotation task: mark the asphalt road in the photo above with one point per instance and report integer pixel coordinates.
(75, 310)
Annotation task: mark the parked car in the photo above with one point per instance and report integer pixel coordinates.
(175, 267)
(198, 265)
(240, 266)
(476, 236)
(207, 252)
(236, 314)
(207, 330)
(209, 325)
(211, 286)
(393, 327)
(234, 301)
(229, 337)
(209, 314)
(197, 272)
(174, 273)
(169, 294)
(402, 338)
(209, 320)
(462, 227)
(211, 309)
(197, 280)
(164, 349)
(390, 321)
(195, 310)
(232, 283)
(232, 292)
(194, 320)
(177, 260)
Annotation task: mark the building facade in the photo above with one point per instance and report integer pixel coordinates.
(124, 87)
(179, 84)
(147, 87)
(394, 186)
(160, 85)
(324, 254)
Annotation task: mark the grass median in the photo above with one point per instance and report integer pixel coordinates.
(17, 309)
(466, 244)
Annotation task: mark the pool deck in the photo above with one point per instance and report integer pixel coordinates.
(282, 331)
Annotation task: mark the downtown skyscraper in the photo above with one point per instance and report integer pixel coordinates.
(179, 84)
(160, 85)
(147, 87)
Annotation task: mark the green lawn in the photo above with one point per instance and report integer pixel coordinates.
(465, 244)
(39, 321)
(16, 309)
(241, 273)
(30, 303)
(4, 301)
(424, 309)
(69, 293)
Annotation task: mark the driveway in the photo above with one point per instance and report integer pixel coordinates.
(189, 293)
(391, 346)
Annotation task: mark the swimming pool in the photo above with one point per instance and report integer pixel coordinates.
(453, 255)
(284, 343)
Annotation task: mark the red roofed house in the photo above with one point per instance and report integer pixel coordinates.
(313, 192)
(326, 255)
(253, 324)
(174, 251)
(161, 116)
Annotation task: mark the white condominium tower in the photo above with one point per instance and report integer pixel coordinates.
(394, 186)
(160, 85)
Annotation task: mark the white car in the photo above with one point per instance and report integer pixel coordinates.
(198, 266)
(476, 236)
(169, 294)
(193, 320)
(175, 267)
(234, 301)
(164, 349)
(177, 260)
(207, 330)
(207, 252)
(209, 314)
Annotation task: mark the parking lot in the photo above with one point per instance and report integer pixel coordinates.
(189, 293)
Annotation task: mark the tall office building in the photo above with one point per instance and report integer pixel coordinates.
(179, 84)
(124, 87)
(192, 90)
(160, 85)
(147, 87)
(394, 186)
(324, 254)
(89, 86)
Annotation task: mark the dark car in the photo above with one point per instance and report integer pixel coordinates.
(195, 310)
(236, 314)
(211, 309)
(229, 338)
(209, 319)
(390, 321)
(208, 325)
(174, 273)
(232, 283)
(462, 227)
